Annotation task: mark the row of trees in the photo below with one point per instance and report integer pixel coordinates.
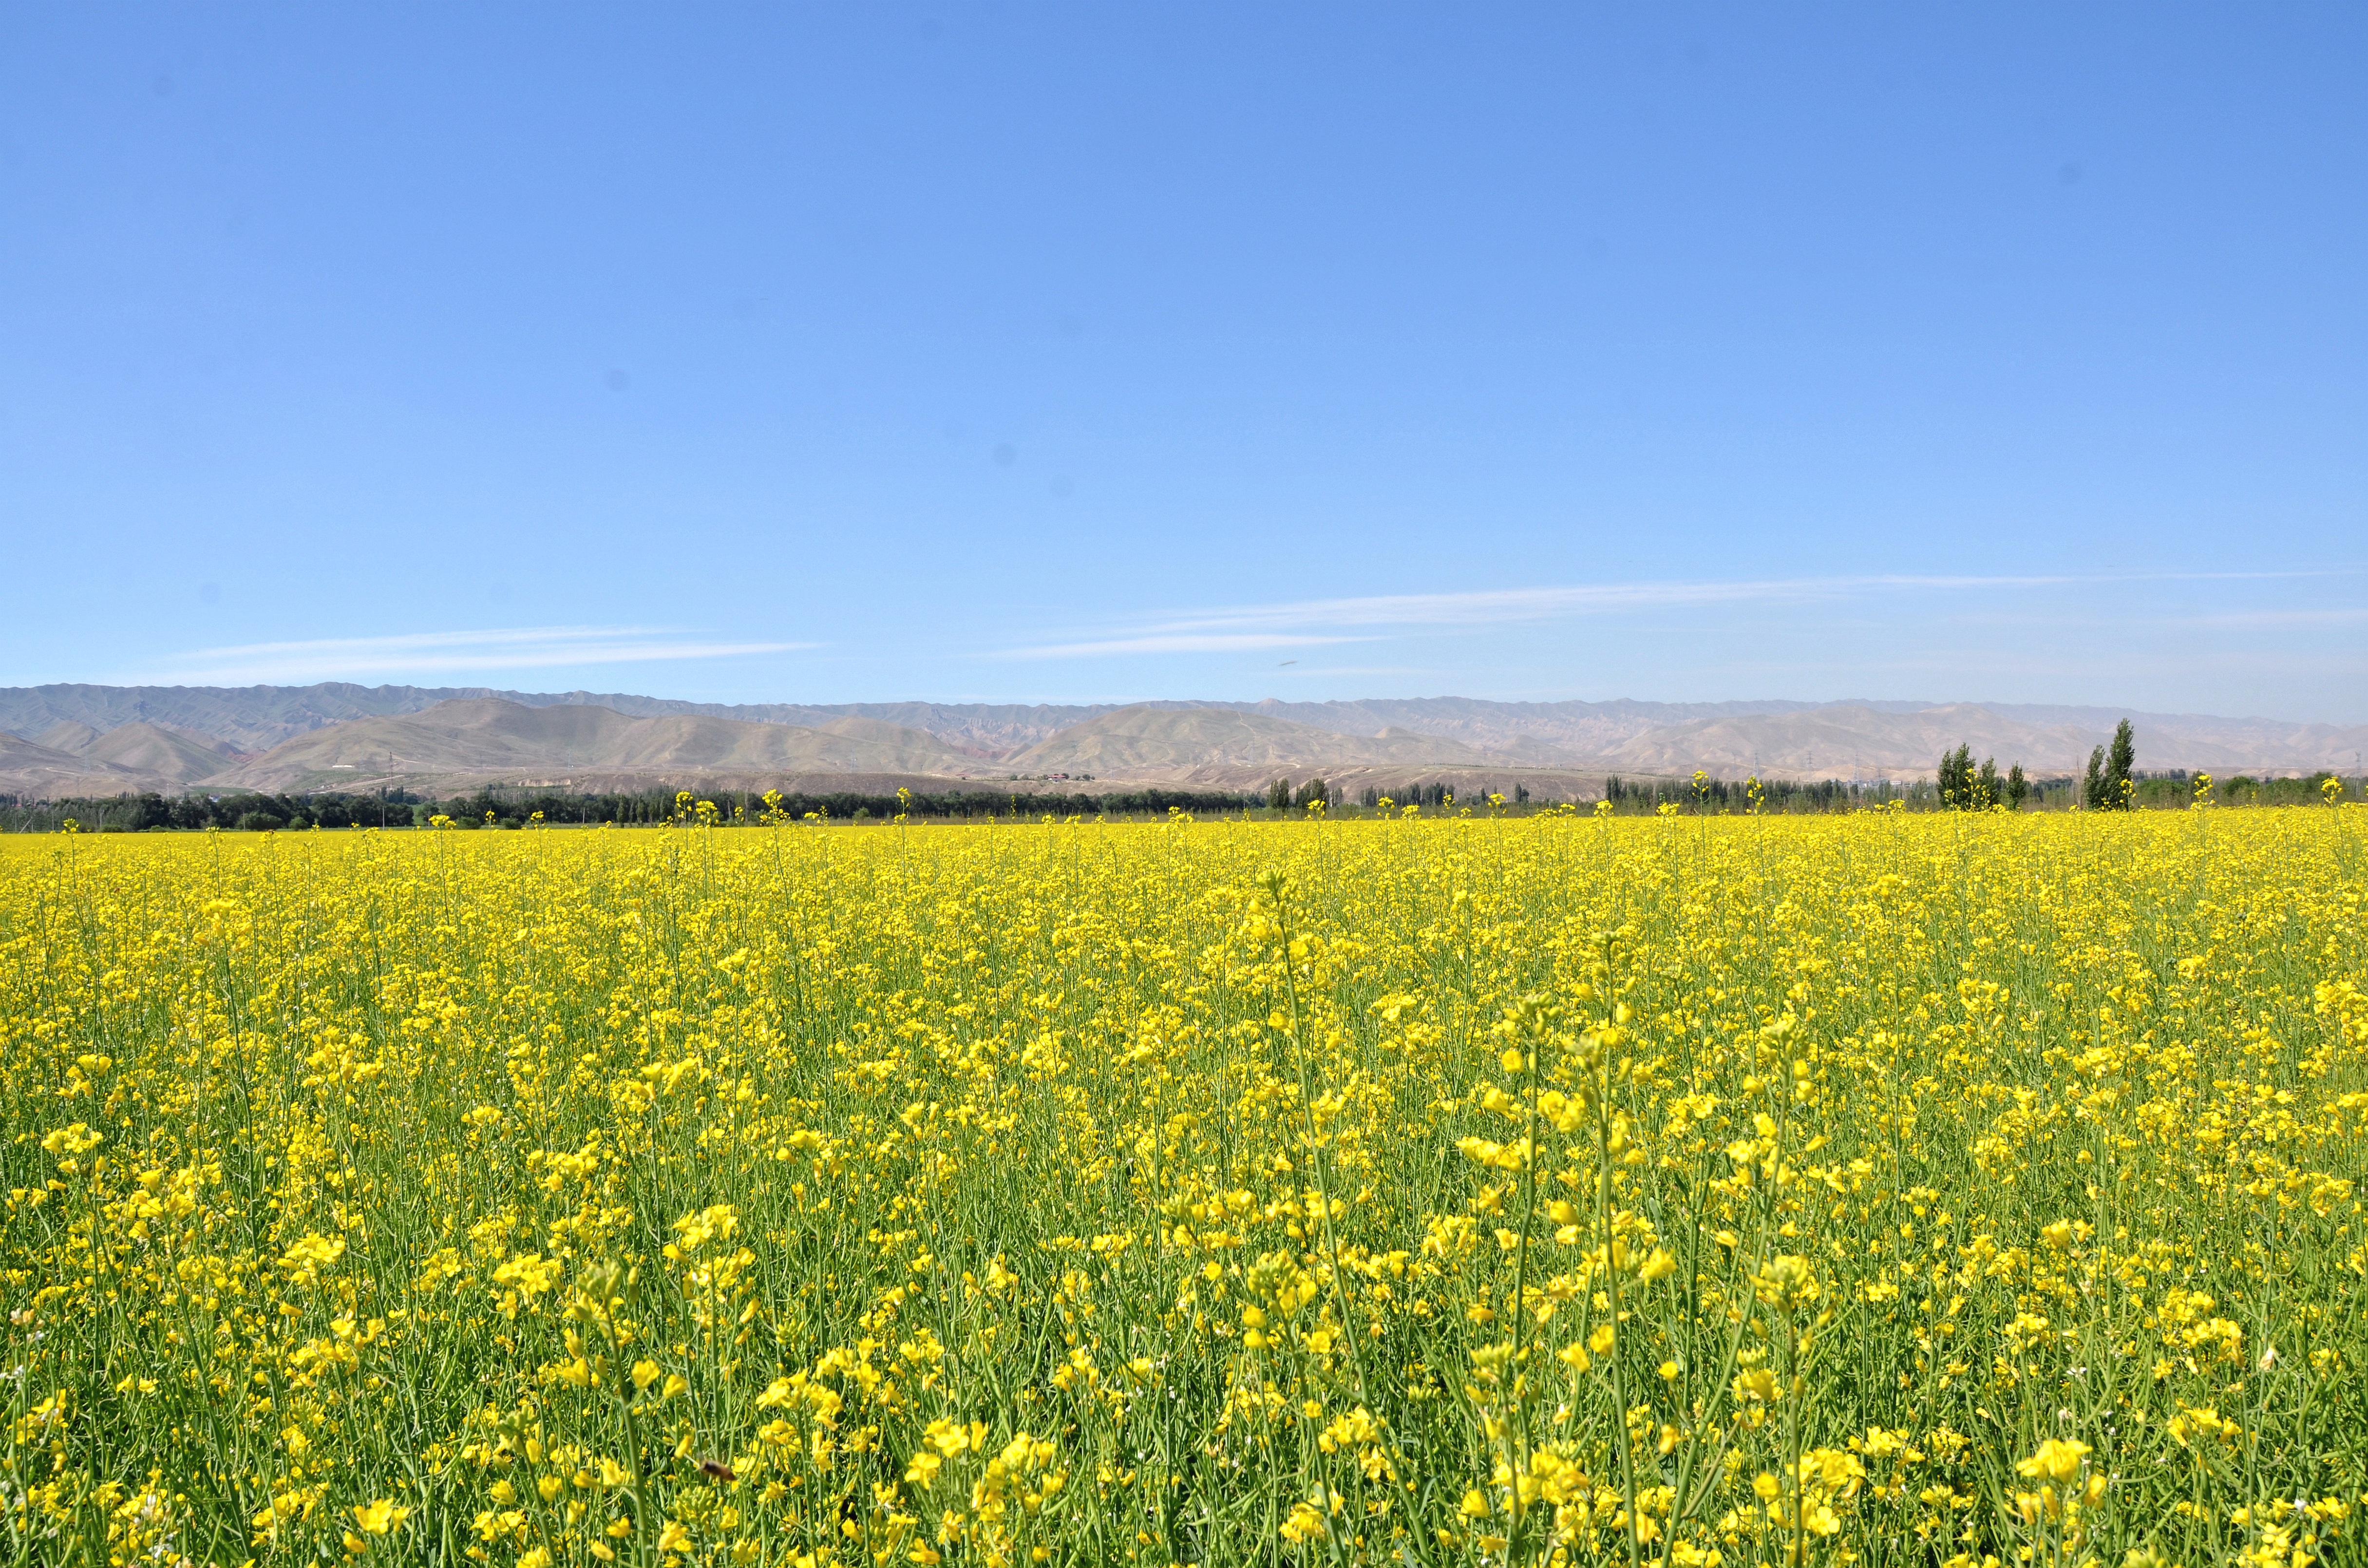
(509, 808)
(258, 812)
(1703, 793)
(2110, 784)
(250, 809)
(1281, 795)
(1965, 788)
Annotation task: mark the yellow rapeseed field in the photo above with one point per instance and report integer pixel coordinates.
(1892, 1189)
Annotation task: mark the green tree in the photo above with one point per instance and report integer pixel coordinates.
(2018, 788)
(2118, 787)
(1954, 779)
(1985, 785)
(2092, 783)
(1277, 795)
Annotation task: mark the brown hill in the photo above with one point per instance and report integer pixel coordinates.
(167, 753)
(1844, 742)
(483, 740)
(70, 735)
(1224, 745)
(1857, 741)
(91, 739)
(38, 772)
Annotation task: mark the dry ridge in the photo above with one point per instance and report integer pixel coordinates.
(96, 740)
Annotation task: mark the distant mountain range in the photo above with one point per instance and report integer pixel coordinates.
(79, 740)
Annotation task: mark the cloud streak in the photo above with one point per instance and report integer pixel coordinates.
(1309, 622)
(442, 653)
(2274, 618)
(1500, 606)
(1162, 642)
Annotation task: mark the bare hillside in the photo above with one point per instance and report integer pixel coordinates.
(1854, 741)
(485, 740)
(89, 739)
(167, 752)
(1209, 744)
(38, 772)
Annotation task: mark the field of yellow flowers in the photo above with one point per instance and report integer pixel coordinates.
(1876, 1189)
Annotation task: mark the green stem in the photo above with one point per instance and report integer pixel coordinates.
(1611, 1291)
(1342, 1292)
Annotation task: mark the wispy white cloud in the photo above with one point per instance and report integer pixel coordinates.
(1498, 606)
(1307, 670)
(1306, 622)
(442, 652)
(2334, 617)
(1158, 642)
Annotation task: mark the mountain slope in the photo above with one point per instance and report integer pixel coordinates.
(484, 739)
(1547, 733)
(249, 719)
(1845, 742)
(38, 772)
(1195, 744)
(1857, 741)
(111, 738)
(70, 735)
(152, 748)
(253, 719)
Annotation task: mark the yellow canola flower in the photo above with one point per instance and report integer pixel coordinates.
(2058, 1459)
(380, 1517)
(1708, 1185)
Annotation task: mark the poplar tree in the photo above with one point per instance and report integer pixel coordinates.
(2117, 785)
(2018, 788)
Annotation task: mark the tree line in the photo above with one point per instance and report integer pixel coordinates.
(258, 811)
(1704, 793)
(249, 810)
(2109, 783)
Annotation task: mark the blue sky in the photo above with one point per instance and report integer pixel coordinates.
(1095, 352)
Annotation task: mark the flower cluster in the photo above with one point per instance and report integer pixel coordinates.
(1692, 1190)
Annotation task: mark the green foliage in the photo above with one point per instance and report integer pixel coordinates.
(1954, 778)
(2118, 763)
(2109, 785)
(1963, 787)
